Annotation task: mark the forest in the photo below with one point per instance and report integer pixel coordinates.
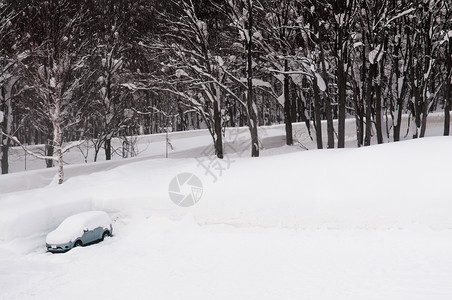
(94, 70)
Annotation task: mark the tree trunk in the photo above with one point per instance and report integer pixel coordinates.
(358, 109)
(342, 86)
(58, 144)
(107, 147)
(96, 152)
(328, 113)
(5, 110)
(357, 115)
(378, 116)
(417, 108)
(398, 123)
(317, 121)
(447, 117)
(59, 155)
(253, 131)
(400, 97)
(369, 96)
(425, 106)
(5, 145)
(428, 61)
(448, 97)
(398, 126)
(287, 108)
(232, 114)
(251, 106)
(217, 127)
(5, 155)
(329, 122)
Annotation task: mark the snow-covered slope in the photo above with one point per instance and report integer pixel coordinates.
(368, 223)
(389, 185)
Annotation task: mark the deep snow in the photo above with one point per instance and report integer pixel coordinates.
(158, 258)
(368, 223)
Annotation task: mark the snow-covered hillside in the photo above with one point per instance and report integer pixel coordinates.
(368, 223)
(188, 144)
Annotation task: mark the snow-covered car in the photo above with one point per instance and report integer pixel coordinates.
(78, 230)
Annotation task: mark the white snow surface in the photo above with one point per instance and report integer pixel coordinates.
(73, 226)
(363, 223)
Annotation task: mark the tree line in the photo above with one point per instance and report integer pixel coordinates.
(102, 69)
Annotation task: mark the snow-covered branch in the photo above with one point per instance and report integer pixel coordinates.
(28, 151)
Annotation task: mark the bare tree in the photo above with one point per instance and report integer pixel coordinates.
(241, 15)
(279, 35)
(196, 74)
(8, 82)
(55, 51)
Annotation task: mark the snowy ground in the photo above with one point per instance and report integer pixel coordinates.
(369, 223)
(156, 258)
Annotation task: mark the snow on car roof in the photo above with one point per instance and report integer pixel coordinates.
(87, 219)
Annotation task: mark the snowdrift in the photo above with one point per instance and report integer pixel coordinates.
(391, 185)
(395, 185)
